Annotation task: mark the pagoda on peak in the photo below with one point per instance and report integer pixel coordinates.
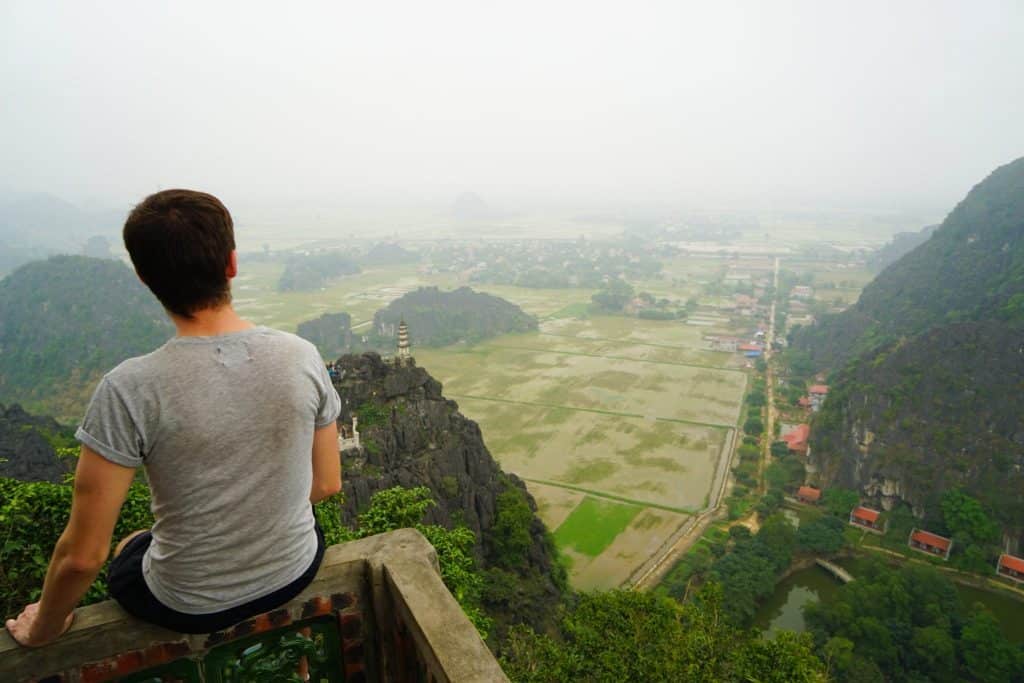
(404, 356)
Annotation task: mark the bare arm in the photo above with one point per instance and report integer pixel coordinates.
(326, 463)
(100, 489)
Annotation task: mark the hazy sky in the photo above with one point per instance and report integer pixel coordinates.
(760, 103)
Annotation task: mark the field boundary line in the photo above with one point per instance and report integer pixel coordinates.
(612, 413)
(632, 342)
(601, 355)
(610, 496)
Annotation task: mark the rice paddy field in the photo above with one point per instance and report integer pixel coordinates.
(618, 425)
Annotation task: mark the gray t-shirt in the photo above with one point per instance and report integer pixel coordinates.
(224, 427)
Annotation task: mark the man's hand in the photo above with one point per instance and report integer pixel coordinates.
(30, 632)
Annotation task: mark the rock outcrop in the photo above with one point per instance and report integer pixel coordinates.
(413, 436)
(25, 451)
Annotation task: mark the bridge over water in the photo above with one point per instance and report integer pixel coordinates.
(835, 570)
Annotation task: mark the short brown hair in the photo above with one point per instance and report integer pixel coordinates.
(180, 242)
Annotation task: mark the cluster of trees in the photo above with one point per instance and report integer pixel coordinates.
(32, 518)
(908, 624)
(616, 296)
(305, 273)
(633, 636)
(438, 318)
(749, 570)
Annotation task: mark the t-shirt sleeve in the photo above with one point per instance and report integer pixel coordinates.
(108, 428)
(330, 402)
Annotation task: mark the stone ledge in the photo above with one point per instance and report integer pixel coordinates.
(391, 580)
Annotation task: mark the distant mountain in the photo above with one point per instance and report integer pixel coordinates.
(28, 446)
(384, 254)
(67, 320)
(34, 226)
(437, 318)
(331, 333)
(927, 392)
(44, 220)
(901, 243)
(469, 206)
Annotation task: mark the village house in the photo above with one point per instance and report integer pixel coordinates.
(1011, 567)
(804, 402)
(866, 518)
(796, 439)
(802, 292)
(930, 543)
(729, 344)
(817, 394)
(808, 495)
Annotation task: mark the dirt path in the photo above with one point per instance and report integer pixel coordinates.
(769, 381)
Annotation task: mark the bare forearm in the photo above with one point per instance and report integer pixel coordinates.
(320, 493)
(65, 584)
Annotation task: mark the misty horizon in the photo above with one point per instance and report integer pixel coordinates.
(741, 107)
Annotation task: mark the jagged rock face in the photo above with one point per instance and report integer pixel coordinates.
(25, 453)
(916, 419)
(417, 437)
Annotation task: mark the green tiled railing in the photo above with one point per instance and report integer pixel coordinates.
(281, 656)
(376, 611)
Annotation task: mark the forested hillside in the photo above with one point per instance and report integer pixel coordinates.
(331, 333)
(972, 268)
(927, 392)
(437, 318)
(64, 322)
(941, 411)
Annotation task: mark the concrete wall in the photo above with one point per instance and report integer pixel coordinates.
(395, 619)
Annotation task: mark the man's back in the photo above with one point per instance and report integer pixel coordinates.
(224, 426)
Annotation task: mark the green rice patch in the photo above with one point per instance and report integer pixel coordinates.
(593, 525)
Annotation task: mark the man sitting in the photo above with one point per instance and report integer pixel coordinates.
(235, 426)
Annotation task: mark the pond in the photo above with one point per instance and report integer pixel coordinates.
(783, 610)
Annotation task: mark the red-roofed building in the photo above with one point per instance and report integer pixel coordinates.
(808, 494)
(930, 543)
(797, 437)
(749, 347)
(866, 518)
(804, 402)
(1011, 567)
(817, 394)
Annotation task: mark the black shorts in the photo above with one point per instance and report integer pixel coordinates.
(127, 585)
